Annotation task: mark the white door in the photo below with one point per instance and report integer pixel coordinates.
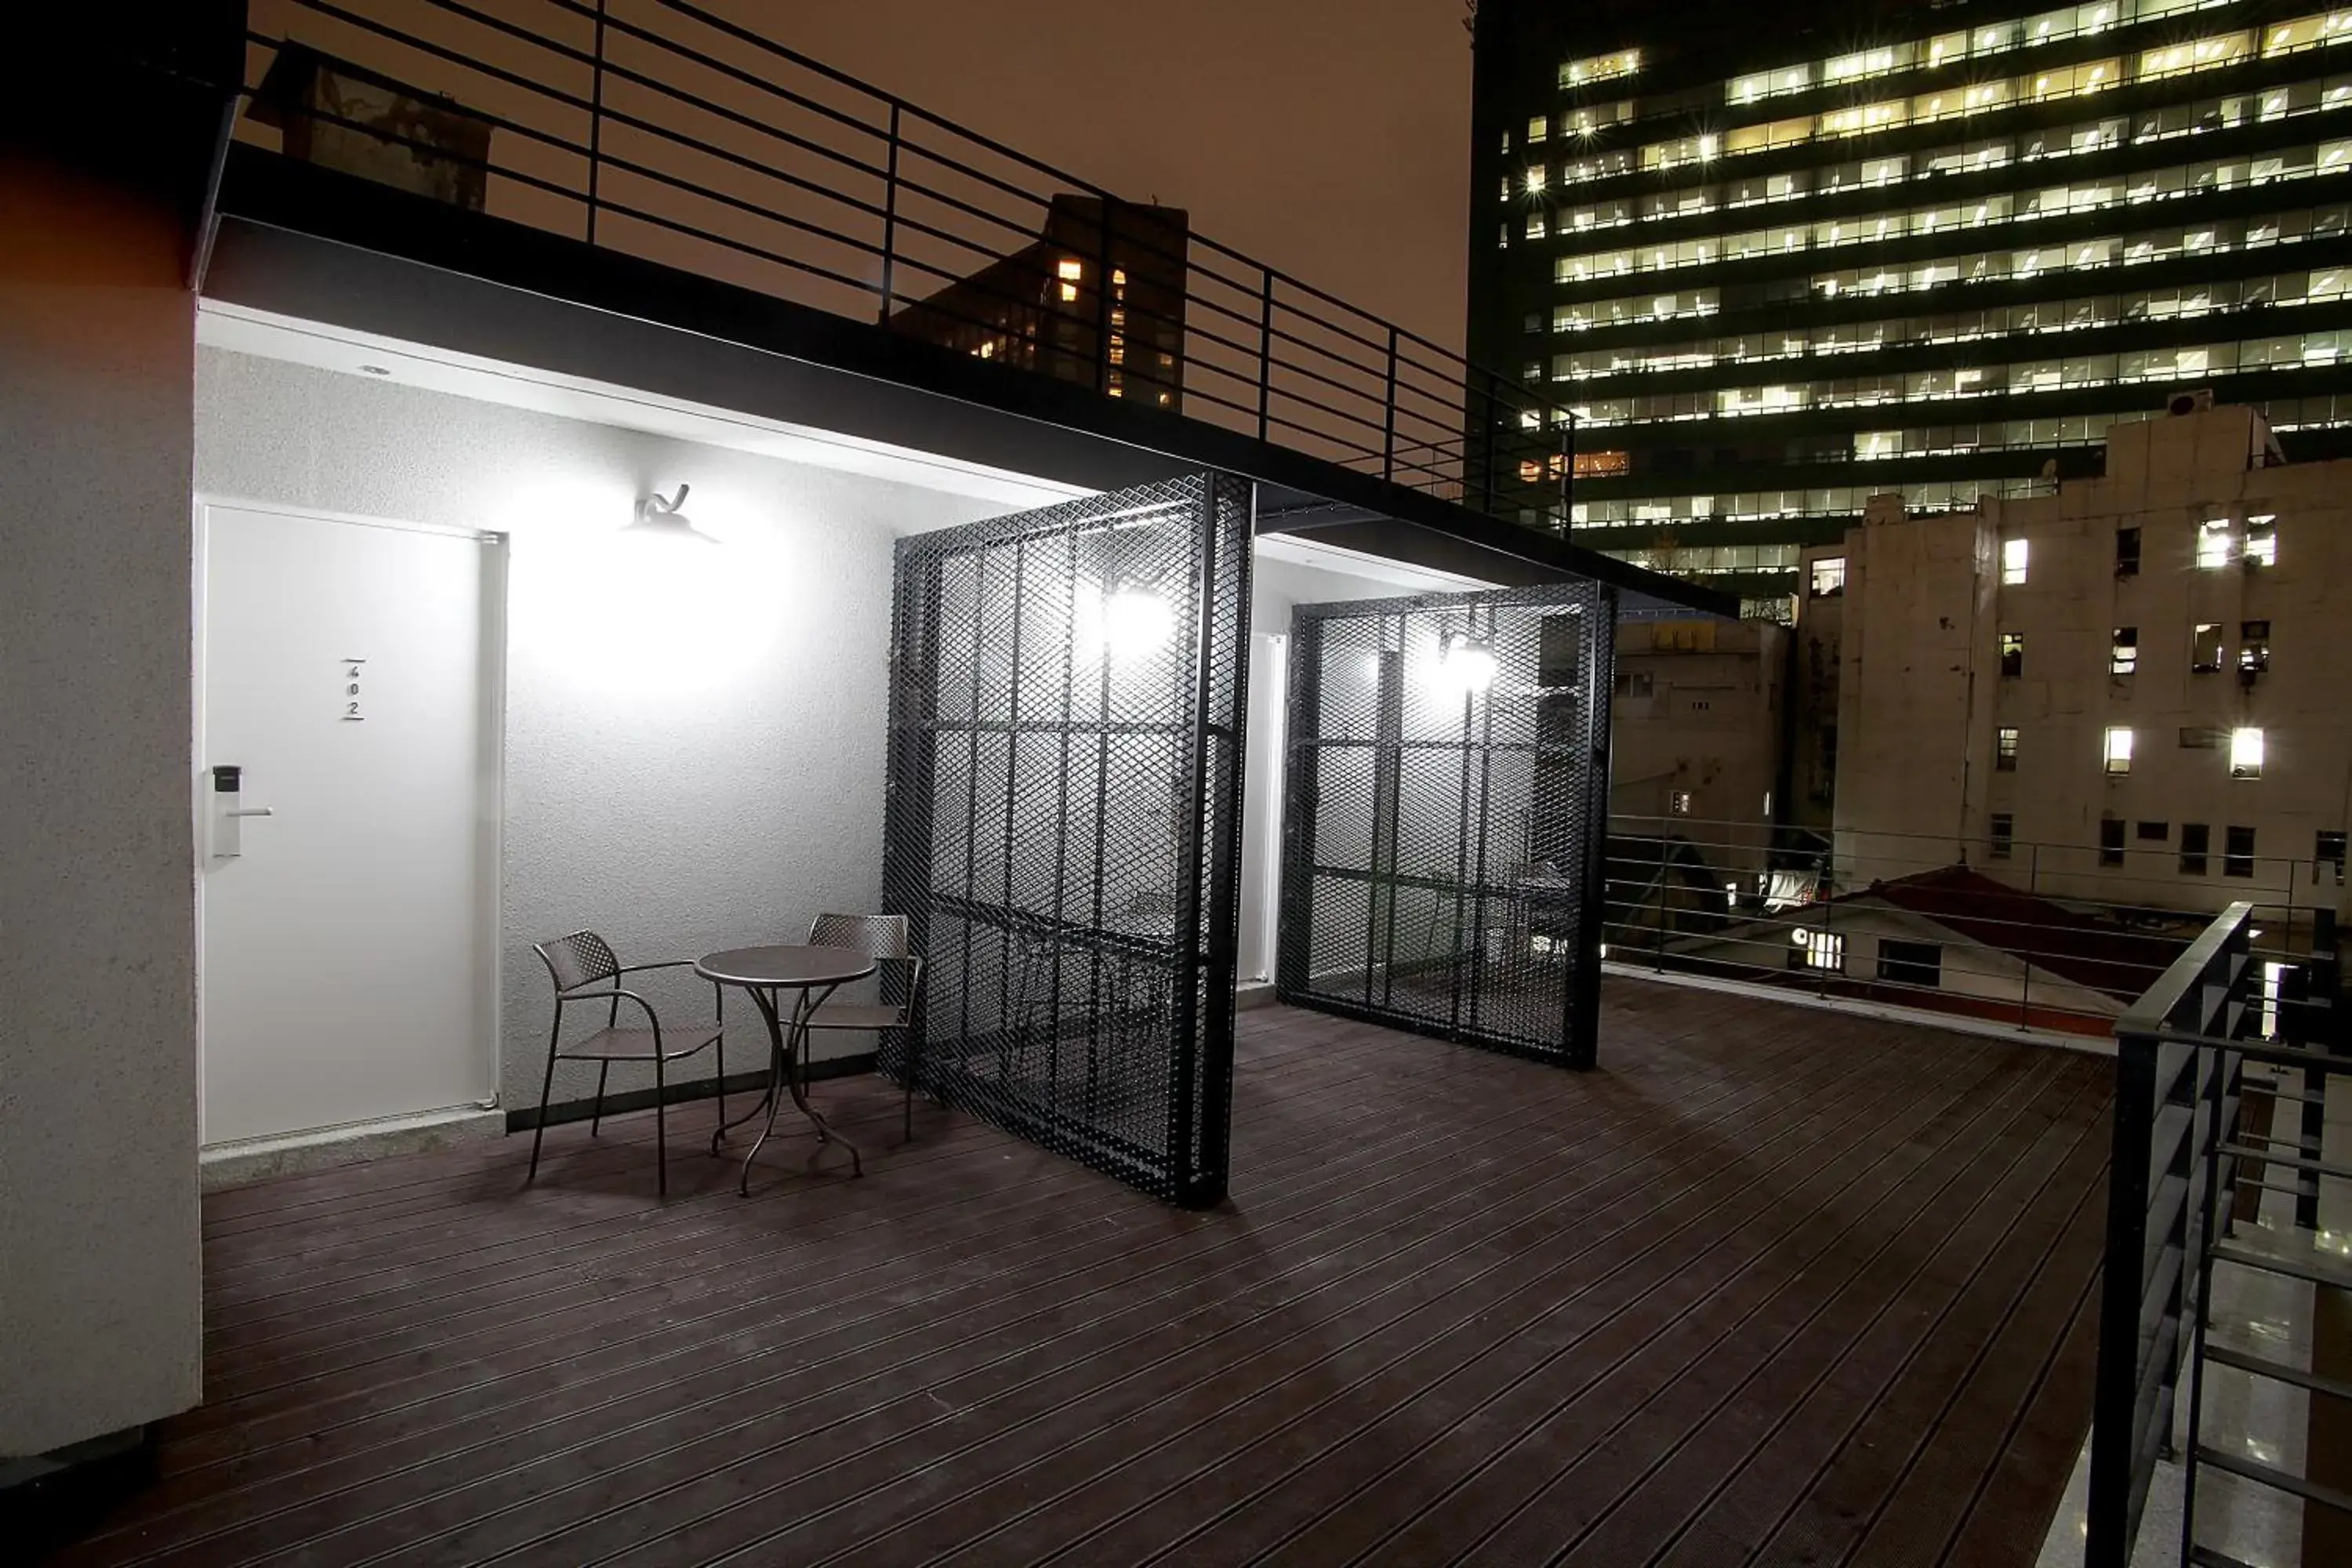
(349, 887)
(1262, 783)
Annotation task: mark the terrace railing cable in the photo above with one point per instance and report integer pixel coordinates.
(666, 130)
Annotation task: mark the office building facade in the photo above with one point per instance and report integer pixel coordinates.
(1779, 260)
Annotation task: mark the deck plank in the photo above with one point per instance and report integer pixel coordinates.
(1774, 1281)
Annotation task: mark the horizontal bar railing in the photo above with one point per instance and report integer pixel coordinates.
(663, 128)
(2147, 1290)
(2190, 1162)
(1929, 923)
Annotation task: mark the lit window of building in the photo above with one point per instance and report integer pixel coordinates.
(2118, 751)
(2123, 652)
(1600, 67)
(1821, 950)
(2004, 748)
(1601, 465)
(1829, 577)
(1845, 299)
(2245, 753)
(2213, 544)
(2254, 648)
(2013, 553)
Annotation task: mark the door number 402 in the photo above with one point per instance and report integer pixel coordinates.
(351, 668)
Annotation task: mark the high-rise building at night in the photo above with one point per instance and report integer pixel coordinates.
(1043, 308)
(1781, 258)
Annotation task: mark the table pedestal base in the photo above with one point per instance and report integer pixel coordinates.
(787, 1067)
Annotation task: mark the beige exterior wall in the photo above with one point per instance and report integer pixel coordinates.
(1921, 700)
(1820, 638)
(1695, 733)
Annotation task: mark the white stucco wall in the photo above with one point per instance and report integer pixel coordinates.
(694, 752)
(101, 1302)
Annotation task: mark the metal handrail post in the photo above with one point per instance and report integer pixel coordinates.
(1389, 414)
(2213, 1101)
(1266, 356)
(891, 218)
(2025, 982)
(2110, 1526)
(595, 121)
(1567, 472)
(1102, 303)
(1487, 442)
(1658, 952)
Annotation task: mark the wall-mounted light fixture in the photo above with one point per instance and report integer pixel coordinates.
(1136, 623)
(660, 519)
(1468, 662)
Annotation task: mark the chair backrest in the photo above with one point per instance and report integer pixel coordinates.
(881, 937)
(876, 936)
(580, 959)
(1151, 912)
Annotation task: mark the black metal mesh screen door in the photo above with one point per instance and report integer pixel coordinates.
(1447, 812)
(1062, 822)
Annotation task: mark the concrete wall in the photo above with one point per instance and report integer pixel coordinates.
(694, 759)
(1699, 714)
(100, 1313)
(1915, 695)
(1820, 635)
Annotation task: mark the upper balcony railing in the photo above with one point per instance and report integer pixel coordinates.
(673, 132)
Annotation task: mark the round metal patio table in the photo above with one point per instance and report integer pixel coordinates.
(815, 972)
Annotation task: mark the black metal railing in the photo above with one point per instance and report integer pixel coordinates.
(2199, 1141)
(2170, 1095)
(2047, 936)
(674, 133)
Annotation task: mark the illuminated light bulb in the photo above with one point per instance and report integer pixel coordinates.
(1136, 623)
(1466, 663)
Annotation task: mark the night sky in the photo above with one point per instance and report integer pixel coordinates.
(1328, 138)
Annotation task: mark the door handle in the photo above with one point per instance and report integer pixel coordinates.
(228, 815)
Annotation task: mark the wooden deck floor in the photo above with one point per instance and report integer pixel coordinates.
(1776, 1284)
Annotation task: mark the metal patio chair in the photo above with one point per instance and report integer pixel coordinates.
(1147, 917)
(901, 985)
(582, 960)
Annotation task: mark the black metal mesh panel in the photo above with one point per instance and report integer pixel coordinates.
(1447, 812)
(1062, 822)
